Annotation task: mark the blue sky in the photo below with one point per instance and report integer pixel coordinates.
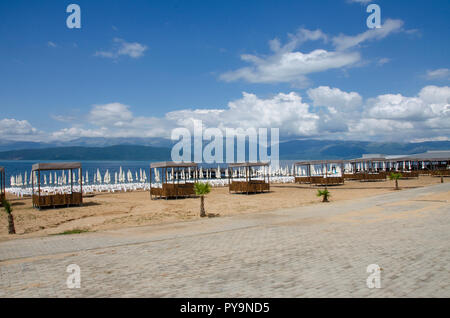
(141, 68)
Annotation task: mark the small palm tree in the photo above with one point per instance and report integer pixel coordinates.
(8, 210)
(202, 189)
(395, 176)
(325, 194)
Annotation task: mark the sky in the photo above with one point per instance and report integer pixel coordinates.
(140, 68)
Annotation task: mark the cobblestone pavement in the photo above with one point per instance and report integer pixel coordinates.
(321, 250)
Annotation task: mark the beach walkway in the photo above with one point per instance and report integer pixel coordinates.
(321, 250)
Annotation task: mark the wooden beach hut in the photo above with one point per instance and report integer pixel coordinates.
(242, 177)
(62, 196)
(308, 174)
(367, 169)
(2, 185)
(176, 179)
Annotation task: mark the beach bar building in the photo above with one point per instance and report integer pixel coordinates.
(248, 177)
(2, 184)
(175, 179)
(60, 196)
(319, 172)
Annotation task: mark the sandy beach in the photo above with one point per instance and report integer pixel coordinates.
(105, 211)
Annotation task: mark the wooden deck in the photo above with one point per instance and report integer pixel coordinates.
(54, 200)
(252, 186)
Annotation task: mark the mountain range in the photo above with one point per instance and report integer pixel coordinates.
(160, 148)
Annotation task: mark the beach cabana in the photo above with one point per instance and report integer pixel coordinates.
(367, 169)
(243, 177)
(2, 184)
(176, 179)
(59, 196)
(319, 172)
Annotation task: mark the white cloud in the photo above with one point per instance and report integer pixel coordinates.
(284, 111)
(441, 73)
(51, 44)
(113, 113)
(335, 99)
(13, 129)
(122, 48)
(289, 66)
(330, 113)
(343, 42)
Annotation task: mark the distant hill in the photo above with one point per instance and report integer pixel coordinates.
(344, 149)
(290, 149)
(119, 152)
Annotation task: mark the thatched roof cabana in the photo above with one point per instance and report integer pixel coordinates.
(250, 185)
(63, 197)
(171, 175)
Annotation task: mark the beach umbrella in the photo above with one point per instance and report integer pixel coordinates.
(129, 176)
(25, 178)
(218, 176)
(136, 176)
(144, 176)
(12, 181)
(45, 179)
(115, 177)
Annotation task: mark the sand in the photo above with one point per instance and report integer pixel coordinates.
(105, 211)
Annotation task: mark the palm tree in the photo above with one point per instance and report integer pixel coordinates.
(324, 193)
(202, 189)
(8, 210)
(395, 176)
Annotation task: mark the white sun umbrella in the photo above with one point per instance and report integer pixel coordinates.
(70, 178)
(129, 176)
(136, 174)
(12, 181)
(115, 177)
(25, 178)
(226, 173)
(144, 176)
(218, 172)
(99, 176)
(45, 179)
(200, 173)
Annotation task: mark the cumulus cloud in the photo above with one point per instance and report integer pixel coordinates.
(123, 48)
(335, 99)
(324, 112)
(13, 129)
(284, 111)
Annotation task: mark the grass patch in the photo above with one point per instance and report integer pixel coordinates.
(74, 231)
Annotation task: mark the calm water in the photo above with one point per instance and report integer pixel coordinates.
(16, 167)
